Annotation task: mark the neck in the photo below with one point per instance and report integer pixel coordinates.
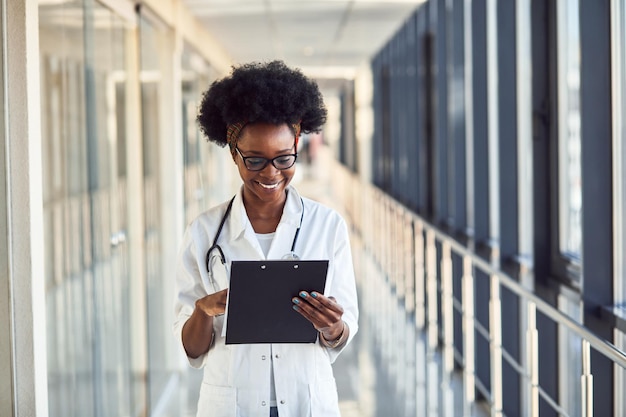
(264, 216)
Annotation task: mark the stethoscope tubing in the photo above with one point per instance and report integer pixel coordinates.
(216, 246)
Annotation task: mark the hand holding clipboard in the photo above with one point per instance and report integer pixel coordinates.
(259, 308)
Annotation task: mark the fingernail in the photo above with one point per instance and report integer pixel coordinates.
(302, 294)
(314, 294)
(296, 301)
(295, 308)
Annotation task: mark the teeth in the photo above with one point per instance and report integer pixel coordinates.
(268, 186)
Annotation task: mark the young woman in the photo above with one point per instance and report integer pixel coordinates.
(259, 111)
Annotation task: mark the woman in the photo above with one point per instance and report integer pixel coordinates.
(259, 111)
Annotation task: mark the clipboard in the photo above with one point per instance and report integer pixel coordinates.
(259, 308)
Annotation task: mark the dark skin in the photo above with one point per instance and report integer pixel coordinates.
(264, 198)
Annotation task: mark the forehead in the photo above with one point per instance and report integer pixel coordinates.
(266, 135)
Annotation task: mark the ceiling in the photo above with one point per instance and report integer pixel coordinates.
(325, 38)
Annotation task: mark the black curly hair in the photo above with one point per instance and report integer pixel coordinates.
(261, 92)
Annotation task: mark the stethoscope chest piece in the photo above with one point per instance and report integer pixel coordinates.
(291, 256)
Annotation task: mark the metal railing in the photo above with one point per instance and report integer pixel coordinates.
(416, 262)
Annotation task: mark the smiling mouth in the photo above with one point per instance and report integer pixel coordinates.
(268, 186)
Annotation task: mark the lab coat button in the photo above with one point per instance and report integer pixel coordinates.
(282, 401)
(277, 356)
(263, 357)
(263, 403)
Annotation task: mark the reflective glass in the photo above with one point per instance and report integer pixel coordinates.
(83, 111)
(197, 75)
(619, 143)
(569, 139)
(619, 177)
(163, 367)
(570, 359)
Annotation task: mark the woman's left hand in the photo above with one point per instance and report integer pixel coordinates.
(323, 312)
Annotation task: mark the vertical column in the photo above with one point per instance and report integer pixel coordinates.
(447, 307)
(420, 298)
(6, 342)
(441, 137)
(532, 353)
(618, 72)
(586, 381)
(171, 159)
(493, 120)
(469, 116)
(431, 290)
(597, 185)
(468, 330)
(24, 211)
(495, 336)
(136, 211)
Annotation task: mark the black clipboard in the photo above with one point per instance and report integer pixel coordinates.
(260, 309)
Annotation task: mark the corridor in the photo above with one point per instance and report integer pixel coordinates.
(475, 148)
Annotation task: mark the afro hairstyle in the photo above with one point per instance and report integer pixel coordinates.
(261, 92)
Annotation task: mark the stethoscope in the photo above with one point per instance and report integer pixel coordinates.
(291, 255)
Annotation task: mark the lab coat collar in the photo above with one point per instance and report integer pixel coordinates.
(239, 222)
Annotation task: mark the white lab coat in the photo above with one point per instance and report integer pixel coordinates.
(237, 377)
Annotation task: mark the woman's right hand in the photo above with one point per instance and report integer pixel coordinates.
(214, 304)
(197, 332)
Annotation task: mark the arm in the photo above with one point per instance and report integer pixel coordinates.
(196, 302)
(325, 314)
(197, 333)
(337, 323)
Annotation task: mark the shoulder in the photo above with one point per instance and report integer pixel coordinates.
(208, 220)
(321, 212)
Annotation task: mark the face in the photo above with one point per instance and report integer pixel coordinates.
(266, 141)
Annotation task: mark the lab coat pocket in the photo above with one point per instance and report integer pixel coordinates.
(324, 400)
(217, 401)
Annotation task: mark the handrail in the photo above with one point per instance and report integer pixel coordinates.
(601, 345)
(424, 287)
(598, 343)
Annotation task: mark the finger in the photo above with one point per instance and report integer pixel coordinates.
(319, 300)
(313, 318)
(320, 316)
(325, 311)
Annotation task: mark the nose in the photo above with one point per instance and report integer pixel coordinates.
(270, 170)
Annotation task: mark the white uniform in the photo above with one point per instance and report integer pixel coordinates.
(237, 377)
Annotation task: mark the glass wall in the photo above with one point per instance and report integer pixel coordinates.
(83, 109)
(569, 139)
(619, 144)
(619, 177)
(197, 75)
(166, 389)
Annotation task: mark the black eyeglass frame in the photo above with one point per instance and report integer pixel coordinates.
(266, 160)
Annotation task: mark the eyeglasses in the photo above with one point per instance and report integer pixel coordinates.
(258, 163)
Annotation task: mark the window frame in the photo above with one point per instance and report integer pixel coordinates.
(618, 74)
(618, 71)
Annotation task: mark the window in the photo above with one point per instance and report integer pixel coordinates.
(618, 29)
(619, 148)
(568, 131)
